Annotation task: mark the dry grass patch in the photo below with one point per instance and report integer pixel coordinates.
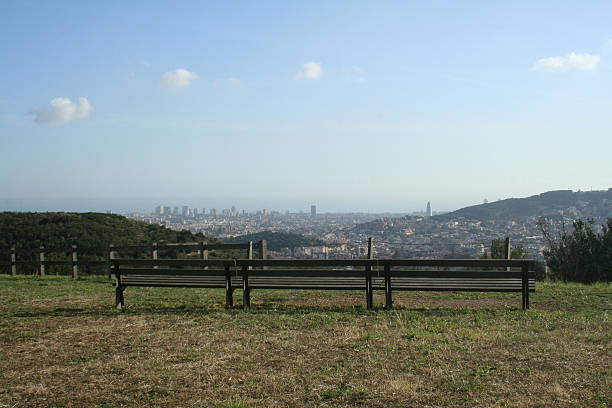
(63, 344)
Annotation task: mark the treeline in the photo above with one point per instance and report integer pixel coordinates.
(278, 240)
(28, 231)
(580, 255)
(91, 232)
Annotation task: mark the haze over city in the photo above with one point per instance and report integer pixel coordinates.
(353, 106)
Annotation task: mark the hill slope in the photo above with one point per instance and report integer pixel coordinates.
(278, 240)
(580, 204)
(61, 230)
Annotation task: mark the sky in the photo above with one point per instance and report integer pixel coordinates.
(352, 106)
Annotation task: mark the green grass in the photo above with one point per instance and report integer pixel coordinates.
(64, 344)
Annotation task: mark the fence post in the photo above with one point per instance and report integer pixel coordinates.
(111, 256)
(250, 250)
(204, 252)
(75, 267)
(263, 251)
(507, 251)
(13, 262)
(41, 260)
(154, 253)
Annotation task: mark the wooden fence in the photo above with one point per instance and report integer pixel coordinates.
(74, 262)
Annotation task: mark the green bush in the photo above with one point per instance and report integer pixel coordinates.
(582, 255)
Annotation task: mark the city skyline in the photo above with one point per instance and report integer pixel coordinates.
(359, 106)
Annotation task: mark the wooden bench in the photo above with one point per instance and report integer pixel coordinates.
(344, 274)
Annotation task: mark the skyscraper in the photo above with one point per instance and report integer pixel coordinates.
(313, 211)
(428, 212)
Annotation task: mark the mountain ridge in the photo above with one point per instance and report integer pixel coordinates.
(551, 203)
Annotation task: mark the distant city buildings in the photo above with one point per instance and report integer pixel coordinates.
(428, 212)
(313, 211)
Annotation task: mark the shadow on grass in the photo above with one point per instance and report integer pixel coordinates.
(203, 310)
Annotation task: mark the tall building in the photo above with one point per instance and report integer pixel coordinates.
(213, 212)
(203, 211)
(428, 210)
(166, 210)
(265, 211)
(313, 211)
(175, 210)
(159, 209)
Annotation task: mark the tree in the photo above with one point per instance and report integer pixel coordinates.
(582, 255)
(498, 250)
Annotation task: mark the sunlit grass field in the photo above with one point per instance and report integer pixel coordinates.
(63, 344)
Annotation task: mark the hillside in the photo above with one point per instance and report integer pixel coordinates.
(61, 230)
(278, 240)
(579, 204)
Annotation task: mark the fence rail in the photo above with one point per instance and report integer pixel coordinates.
(74, 252)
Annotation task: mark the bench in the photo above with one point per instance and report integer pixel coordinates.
(341, 274)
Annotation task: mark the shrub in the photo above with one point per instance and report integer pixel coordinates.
(582, 255)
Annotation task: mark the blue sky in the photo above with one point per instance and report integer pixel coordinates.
(366, 106)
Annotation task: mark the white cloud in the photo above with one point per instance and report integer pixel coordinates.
(358, 73)
(62, 110)
(571, 62)
(310, 70)
(181, 78)
(146, 63)
(234, 81)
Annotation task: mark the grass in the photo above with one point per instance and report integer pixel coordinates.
(63, 344)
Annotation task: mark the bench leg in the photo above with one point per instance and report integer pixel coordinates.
(246, 296)
(229, 291)
(525, 287)
(246, 290)
(119, 297)
(388, 297)
(369, 294)
(229, 298)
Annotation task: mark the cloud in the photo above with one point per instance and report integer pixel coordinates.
(62, 110)
(311, 71)
(146, 63)
(181, 78)
(234, 81)
(571, 62)
(358, 73)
